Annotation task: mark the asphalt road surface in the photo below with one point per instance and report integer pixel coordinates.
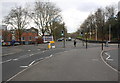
(72, 65)
(18, 58)
(14, 63)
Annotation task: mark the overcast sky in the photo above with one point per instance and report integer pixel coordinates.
(74, 12)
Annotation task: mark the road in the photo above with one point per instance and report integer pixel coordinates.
(17, 58)
(72, 65)
(25, 56)
(110, 56)
(14, 63)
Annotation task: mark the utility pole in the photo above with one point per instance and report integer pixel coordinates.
(102, 37)
(86, 39)
(118, 29)
(63, 32)
(109, 32)
(96, 32)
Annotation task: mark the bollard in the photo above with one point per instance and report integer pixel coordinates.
(49, 45)
(106, 45)
(52, 44)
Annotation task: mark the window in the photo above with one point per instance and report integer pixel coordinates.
(30, 38)
(23, 38)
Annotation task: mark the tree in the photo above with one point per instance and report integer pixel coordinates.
(17, 17)
(110, 21)
(59, 27)
(45, 13)
(5, 35)
(100, 21)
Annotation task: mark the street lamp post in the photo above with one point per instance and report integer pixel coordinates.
(118, 29)
(109, 32)
(102, 37)
(86, 39)
(63, 32)
(95, 32)
(102, 33)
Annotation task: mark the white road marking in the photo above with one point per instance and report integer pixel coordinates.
(28, 65)
(31, 54)
(29, 50)
(107, 63)
(108, 58)
(43, 51)
(15, 59)
(24, 66)
(23, 70)
(31, 63)
(51, 55)
(8, 54)
(6, 61)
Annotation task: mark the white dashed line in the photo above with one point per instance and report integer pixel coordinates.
(31, 54)
(24, 66)
(15, 59)
(6, 61)
(29, 50)
(8, 54)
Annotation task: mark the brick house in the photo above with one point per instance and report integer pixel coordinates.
(5, 34)
(29, 36)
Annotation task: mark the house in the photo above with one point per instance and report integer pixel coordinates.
(29, 36)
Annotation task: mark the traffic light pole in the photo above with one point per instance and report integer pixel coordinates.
(118, 29)
(86, 41)
(63, 36)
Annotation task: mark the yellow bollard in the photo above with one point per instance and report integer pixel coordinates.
(49, 45)
(52, 44)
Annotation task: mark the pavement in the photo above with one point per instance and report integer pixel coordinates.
(73, 65)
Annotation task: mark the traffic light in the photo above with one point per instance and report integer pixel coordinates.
(62, 33)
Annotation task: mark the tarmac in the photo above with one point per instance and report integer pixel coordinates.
(72, 65)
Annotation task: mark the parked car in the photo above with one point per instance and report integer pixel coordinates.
(60, 39)
(16, 43)
(69, 39)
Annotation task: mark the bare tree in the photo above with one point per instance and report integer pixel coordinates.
(100, 21)
(17, 17)
(109, 12)
(44, 16)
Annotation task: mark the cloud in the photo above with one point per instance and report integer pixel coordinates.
(74, 12)
(72, 18)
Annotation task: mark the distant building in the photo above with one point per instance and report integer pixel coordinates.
(29, 36)
(5, 34)
(3, 27)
